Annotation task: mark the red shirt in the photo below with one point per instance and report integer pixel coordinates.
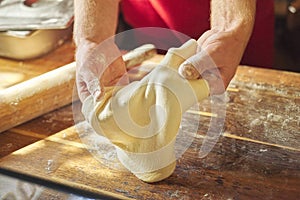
(191, 17)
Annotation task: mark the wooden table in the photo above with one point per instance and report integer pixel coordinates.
(257, 156)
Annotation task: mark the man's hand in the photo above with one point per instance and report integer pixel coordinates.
(219, 54)
(222, 47)
(94, 26)
(98, 66)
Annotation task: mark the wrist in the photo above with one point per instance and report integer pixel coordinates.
(240, 33)
(83, 48)
(89, 49)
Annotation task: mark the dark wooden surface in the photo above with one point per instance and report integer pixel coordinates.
(257, 157)
(13, 72)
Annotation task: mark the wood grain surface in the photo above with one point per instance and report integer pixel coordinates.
(256, 157)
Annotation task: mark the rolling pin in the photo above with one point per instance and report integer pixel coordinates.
(47, 92)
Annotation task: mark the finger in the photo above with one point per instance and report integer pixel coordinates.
(83, 95)
(212, 75)
(188, 71)
(82, 91)
(95, 89)
(196, 65)
(85, 90)
(88, 84)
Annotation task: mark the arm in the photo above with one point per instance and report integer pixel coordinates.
(231, 15)
(221, 48)
(94, 27)
(236, 17)
(93, 17)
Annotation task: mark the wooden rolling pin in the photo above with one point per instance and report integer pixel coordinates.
(37, 96)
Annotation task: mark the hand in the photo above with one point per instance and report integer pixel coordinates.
(219, 54)
(98, 65)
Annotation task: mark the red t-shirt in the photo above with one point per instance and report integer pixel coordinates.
(191, 17)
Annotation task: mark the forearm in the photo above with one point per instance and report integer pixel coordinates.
(95, 20)
(237, 16)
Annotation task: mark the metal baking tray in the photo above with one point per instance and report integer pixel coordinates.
(28, 32)
(23, 45)
(43, 14)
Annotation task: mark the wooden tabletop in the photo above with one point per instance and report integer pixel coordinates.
(256, 157)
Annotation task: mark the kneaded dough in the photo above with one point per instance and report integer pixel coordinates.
(142, 119)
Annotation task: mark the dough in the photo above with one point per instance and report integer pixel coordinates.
(142, 119)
